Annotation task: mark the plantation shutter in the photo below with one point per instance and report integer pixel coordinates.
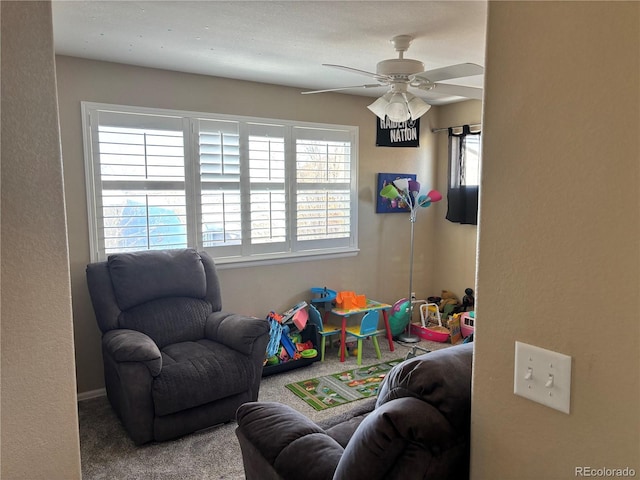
(323, 187)
(139, 181)
(220, 199)
(267, 192)
(244, 189)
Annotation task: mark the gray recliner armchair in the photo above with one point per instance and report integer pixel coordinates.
(418, 428)
(174, 362)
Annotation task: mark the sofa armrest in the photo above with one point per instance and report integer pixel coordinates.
(239, 332)
(404, 438)
(131, 346)
(283, 439)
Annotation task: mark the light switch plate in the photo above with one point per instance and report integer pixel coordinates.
(543, 376)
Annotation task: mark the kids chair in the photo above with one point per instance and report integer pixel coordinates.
(368, 328)
(323, 330)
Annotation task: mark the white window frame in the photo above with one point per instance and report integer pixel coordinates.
(225, 256)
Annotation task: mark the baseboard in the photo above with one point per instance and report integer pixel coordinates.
(100, 392)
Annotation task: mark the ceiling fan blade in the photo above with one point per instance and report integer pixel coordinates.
(457, 90)
(381, 78)
(371, 85)
(452, 71)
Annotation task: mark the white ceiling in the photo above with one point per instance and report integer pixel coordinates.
(278, 42)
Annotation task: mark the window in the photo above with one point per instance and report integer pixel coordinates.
(465, 149)
(245, 189)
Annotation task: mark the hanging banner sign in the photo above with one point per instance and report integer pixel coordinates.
(397, 134)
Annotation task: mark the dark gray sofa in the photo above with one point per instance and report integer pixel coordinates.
(417, 428)
(174, 362)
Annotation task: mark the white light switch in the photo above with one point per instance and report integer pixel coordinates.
(542, 376)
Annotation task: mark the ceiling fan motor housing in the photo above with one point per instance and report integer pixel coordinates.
(399, 66)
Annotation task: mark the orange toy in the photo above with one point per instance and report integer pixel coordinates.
(348, 300)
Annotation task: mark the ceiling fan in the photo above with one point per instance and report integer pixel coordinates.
(399, 74)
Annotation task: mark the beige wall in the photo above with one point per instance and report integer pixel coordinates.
(39, 437)
(559, 239)
(455, 244)
(559, 235)
(381, 268)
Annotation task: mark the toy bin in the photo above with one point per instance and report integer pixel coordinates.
(467, 323)
(310, 332)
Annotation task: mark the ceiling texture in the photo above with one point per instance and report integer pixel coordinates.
(277, 42)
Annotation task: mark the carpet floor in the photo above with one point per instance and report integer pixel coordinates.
(108, 453)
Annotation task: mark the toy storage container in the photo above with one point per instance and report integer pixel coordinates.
(309, 333)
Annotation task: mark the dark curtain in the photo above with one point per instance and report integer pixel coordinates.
(462, 199)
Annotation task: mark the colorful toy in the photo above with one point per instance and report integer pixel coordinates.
(467, 323)
(274, 360)
(289, 314)
(429, 312)
(300, 318)
(301, 347)
(399, 318)
(348, 300)
(275, 334)
(324, 299)
(287, 343)
(279, 332)
(309, 353)
(435, 334)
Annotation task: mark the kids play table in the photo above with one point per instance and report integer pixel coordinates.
(370, 305)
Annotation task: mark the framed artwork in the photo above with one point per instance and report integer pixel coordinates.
(385, 205)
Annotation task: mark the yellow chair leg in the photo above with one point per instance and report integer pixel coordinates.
(323, 343)
(375, 344)
(359, 351)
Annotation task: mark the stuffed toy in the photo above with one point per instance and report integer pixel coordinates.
(448, 303)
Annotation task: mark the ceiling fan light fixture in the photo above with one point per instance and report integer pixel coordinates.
(397, 109)
(417, 107)
(378, 107)
(399, 106)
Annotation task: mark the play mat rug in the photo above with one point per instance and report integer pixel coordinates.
(344, 387)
